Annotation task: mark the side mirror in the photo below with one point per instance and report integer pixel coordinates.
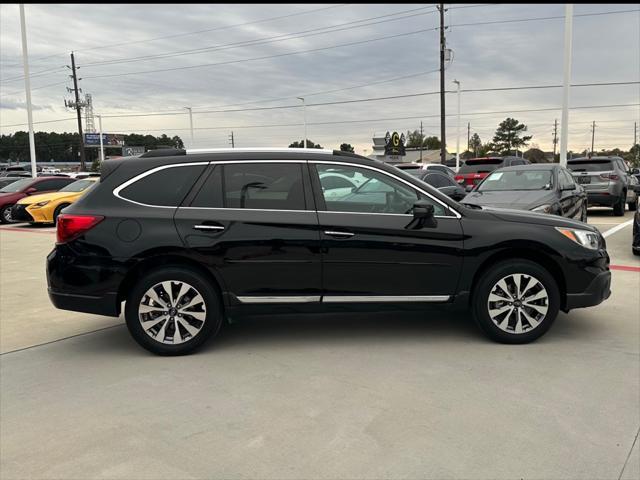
(30, 190)
(635, 171)
(423, 216)
(422, 209)
(468, 188)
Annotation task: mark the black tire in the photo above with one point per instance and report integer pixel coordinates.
(57, 211)
(618, 208)
(212, 303)
(487, 282)
(5, 214)
(584, 216)
(633, 206)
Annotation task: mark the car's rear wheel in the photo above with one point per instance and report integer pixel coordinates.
(5, 214)
(618, 208)
(633, 206)
(516, 301)
(173, 311)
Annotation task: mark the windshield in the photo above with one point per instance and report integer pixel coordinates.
(16, 186)
(78, 186)
(590, 166)
(481, 166)
(517, 180)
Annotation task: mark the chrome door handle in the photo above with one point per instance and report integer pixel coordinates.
(333, 233)
(208, 227)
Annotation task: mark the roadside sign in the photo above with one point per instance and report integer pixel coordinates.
(132, 151)
(108, 140)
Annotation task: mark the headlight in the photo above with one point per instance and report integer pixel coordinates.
(585, 238)
(543, 209)
(41, 204)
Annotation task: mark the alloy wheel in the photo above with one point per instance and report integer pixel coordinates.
(172, 312)
(6, 213)
(518, 303)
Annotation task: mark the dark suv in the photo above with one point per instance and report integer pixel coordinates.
(189, 239)
(607, 181)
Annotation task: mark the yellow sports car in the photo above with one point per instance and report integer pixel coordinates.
(46, 207)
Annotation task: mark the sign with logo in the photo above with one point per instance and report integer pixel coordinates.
(132, 151)
(394, 144)
(108, 140)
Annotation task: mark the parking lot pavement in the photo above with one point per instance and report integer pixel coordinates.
(367, 396)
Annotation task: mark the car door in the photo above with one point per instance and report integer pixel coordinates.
(369, 251)
(255, 223)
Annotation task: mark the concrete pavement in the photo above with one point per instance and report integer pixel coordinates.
(326, 396)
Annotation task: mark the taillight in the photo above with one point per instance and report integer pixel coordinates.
(610, 176)
(72, 226)
(459, 178)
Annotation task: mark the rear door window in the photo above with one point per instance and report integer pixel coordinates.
(263, 186)
(164, 188)
(52, 185)
(481, 166)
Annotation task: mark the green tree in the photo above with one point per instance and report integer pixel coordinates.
(300, 144)
(535, 155)
(346, 147)
(475, 144)
(416, 139)
(509, 135)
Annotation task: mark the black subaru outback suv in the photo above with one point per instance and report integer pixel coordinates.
(188, 239)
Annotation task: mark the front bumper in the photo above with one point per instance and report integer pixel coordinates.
(19, 213)
(597, 292)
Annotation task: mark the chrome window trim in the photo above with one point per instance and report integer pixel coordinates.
(455, 213)
(117, 190)
(195, 151)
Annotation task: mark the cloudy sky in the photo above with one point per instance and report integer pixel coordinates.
(241, 67)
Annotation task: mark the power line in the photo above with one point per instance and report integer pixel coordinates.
(35, 88)
(41, 73)
(229, 62)
(261, 41)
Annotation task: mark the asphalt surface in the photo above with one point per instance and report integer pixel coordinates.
(323, 396)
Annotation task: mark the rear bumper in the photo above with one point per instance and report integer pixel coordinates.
(602, 198)
(100, 305)
(597, 292)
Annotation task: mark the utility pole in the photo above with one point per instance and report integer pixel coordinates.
(555, 138)
(304, 114)
(635, 140)
(568, 38)
(231, 140)
(27, 88)
(78, 106)
(468, 136)
(458, 129)
(593, 135)
(191, 125)
(101, 142)
(443, 140)
(422, 141)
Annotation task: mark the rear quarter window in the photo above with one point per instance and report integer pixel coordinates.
(166, 187)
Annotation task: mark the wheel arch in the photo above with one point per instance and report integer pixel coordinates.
(158, 260)
(525, 252)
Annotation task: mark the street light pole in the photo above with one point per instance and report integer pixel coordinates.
(191, 125)
(458, 129)
(304, 113)
(27, 88)
(100, 133)
(568, 36)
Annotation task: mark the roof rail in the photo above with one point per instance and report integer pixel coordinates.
(258, 150)
(163, 152)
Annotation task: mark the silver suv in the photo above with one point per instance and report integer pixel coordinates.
(606, 181)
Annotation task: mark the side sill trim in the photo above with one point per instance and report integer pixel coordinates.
(385, 298)
(295, 299)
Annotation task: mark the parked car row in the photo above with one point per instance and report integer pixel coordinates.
(19, 194)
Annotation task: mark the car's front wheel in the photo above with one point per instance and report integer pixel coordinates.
(516, 301)
(5, 214)
(173, 311)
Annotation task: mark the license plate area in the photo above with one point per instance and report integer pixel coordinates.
(583, 180)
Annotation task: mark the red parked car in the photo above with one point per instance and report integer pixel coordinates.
(13, 192)
(475, 169)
